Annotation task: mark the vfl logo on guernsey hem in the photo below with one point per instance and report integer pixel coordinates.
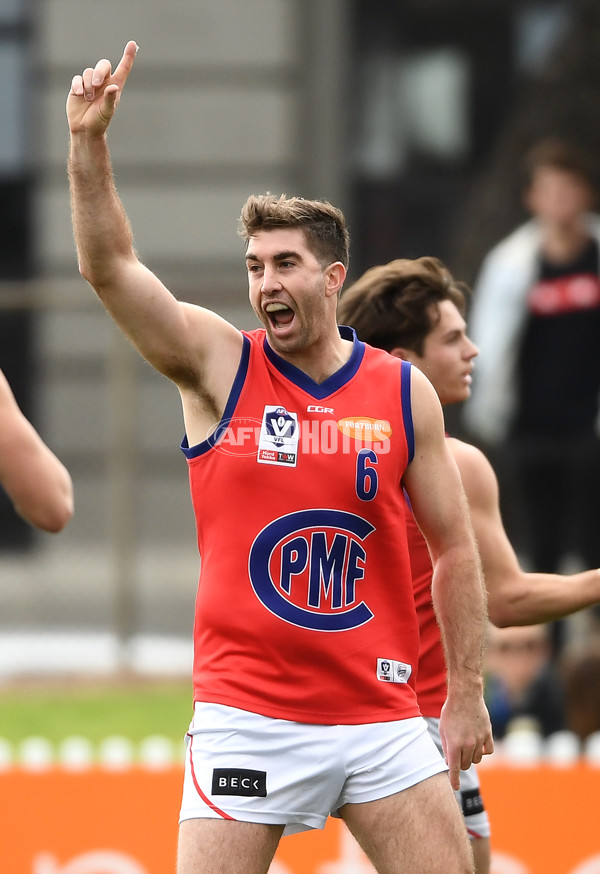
(279, 436)
(305, 568)
(391, 671)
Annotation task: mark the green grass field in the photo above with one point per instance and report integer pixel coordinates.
(95, 708)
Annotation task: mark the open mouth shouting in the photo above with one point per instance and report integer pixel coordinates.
(279, 314)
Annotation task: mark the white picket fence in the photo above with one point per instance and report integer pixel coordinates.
(76, 753)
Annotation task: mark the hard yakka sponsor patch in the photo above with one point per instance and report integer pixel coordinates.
(239, 781)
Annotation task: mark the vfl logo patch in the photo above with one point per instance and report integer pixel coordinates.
(239, 781)
(306, 567)
(279, 437)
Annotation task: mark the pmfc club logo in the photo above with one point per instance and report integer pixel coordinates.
(306, 568)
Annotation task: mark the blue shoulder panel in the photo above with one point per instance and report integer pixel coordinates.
(407, 409)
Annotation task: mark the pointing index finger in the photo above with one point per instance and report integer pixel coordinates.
(454, 772)
(126, 63)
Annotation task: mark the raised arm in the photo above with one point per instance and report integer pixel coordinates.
(514, 596)
(193, 346)
(433, 483)
(37, 483)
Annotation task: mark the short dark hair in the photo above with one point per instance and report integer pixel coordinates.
(397, 304)
(324, 225)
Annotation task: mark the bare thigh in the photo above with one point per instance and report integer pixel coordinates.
(418, 831)
(215, 846)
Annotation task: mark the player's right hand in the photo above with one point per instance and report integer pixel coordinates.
(95, 94)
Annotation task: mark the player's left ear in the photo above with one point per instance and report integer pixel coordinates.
(335, 275)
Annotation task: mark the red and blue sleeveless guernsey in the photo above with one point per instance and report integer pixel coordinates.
(305, 608)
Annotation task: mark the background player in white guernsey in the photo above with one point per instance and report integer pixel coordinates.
(295, 591)
(415, 310)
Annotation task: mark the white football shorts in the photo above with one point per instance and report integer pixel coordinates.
(244, 766)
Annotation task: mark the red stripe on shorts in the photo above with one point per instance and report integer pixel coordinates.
(206, 800)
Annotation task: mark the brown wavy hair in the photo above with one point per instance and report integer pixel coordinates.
(397, 304)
